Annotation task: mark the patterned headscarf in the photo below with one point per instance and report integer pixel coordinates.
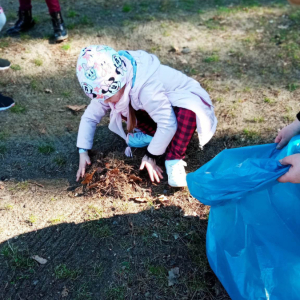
(101, 71)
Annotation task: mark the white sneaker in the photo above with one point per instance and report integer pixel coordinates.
(139, 139)
(176, 172)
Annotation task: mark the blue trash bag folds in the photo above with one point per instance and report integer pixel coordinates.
(253, 235)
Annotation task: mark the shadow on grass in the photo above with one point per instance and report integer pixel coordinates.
(122, 257)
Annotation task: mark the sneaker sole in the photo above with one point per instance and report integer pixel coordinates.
(61, 39)
(8, 107)
(4, 68)
(177, 185)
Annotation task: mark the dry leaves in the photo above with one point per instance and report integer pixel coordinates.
(88, 178)
(76, 108)
(140, 199)
(39, 259)
(173, 276)
(135, 178)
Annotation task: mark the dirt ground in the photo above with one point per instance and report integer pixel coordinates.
(245, 53)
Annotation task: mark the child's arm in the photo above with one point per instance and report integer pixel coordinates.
(157, 105)
(89, 120)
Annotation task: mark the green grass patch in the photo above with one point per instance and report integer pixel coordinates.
(8, 207)
(4, 43)
(4, 135)
(25, 37)
(82, 293)
(38, 62)
(259, 119)
(18, 109)
(66, 47)
(56, 220)
(66, 94)
(72, 14)
(293, 87)
(62, 272)
(211, 59)
(60, 161)
(85, 21)
(16, 258)
(268, 100)
(36, 19)
(250, 134)
(126, 8)
(32, 219)
(157, 271)
(116, 293)
(3, 149)
(15, 67)
(46, 149)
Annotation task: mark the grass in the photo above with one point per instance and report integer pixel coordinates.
(8, 207)
(18, 109)
(98, 269)
(4, 135)
(16, 67)
(268, 100)
(60, 161)
(3, 149)
(259, 119)
(66, 94)
(72, 14)
(126, 8)
(16, 258)
(56, 220)
(46, 149)
(34, 84)
(85, 21)
(293, 87)
(211, 59)
(66, 47)
(32, 219)
(63, 272)
(250, 134)
(4, 43)
(82, 293)
(38, 62)
(244, 59)
(116, 293)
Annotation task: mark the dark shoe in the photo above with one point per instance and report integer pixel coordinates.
(60, 31)
(4, 64)
(6, 102)
(24, 23)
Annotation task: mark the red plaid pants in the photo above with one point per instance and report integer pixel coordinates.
(53, 5)
(186, 125)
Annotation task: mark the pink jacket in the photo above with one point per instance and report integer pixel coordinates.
(157, 88)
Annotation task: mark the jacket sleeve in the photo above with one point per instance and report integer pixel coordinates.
(89, 120)
(155, 102)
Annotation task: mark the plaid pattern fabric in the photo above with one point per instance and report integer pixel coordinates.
(186, 126)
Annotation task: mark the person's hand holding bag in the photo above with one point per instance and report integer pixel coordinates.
(285, 134)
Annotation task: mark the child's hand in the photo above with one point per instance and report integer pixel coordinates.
(287, 133)
(293, 175)
(154, 171)
(84, 159)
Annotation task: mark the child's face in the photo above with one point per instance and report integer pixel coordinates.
(116, 97)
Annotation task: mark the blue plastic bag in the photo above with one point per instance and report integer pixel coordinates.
(253, 235)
